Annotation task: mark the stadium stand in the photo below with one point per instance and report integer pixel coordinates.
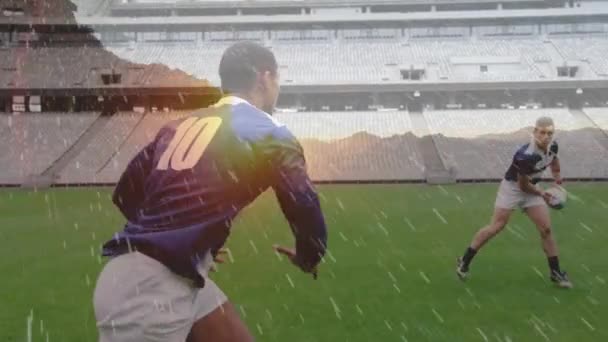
(435, 169)
(38, 8)
(101, 148)
(339, 125)
(367, 61)
(393, 5)
(599, 117)
(339, 146)
(592, 51)
(196, 60)
(91, 7)
(480, 144)
(32, 142)
(144, 132)
(370, 146)
(362, 62)
(48, 68)
(511, 60)
(377, 61)
(475, 123)
(351, 146)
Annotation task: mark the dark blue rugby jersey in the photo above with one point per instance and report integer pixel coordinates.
(182, 191)
(530, 161)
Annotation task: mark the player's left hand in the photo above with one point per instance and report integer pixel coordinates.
(218, 259)
(291, 254)
(558, 181)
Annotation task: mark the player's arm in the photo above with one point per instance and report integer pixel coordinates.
(297, 198)
(526, 185)
(129, 192)
(556, 170)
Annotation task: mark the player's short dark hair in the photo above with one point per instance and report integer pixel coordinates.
(544, 121)
(240, 64)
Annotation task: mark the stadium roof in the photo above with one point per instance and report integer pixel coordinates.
(138, 4)
(368, 18)
(365, 18)
(411, 87)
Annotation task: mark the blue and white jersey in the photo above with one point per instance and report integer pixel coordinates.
(182, 191)
(531, 161)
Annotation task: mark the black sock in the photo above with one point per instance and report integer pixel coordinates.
(554, 264)
(468, 256)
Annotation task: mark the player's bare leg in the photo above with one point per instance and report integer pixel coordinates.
(539, 215)
(499, 221)
(221, 325)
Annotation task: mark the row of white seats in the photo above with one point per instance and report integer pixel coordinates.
(588, 50)
(348, 62)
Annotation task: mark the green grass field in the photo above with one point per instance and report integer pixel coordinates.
(389, 275)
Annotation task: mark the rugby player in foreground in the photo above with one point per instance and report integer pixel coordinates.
(180, 195)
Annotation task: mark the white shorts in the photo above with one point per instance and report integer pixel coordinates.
(510, 196)
(138, 299)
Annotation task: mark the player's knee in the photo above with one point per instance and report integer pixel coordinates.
(498, 225)
(545, 232)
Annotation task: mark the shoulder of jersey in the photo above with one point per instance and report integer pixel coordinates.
(261, 115)
(267, 117)
(172, 124)
(252, 123)
(525, 150)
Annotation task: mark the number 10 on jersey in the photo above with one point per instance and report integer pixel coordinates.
(189, 143)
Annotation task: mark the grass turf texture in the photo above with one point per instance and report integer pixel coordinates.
(389, 275)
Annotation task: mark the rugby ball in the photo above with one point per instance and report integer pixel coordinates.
(559, 196)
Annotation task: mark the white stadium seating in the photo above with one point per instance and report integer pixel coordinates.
(599, 117)
(377, 61)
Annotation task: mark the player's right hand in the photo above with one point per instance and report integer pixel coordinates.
(547, 197)
(291, 254)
